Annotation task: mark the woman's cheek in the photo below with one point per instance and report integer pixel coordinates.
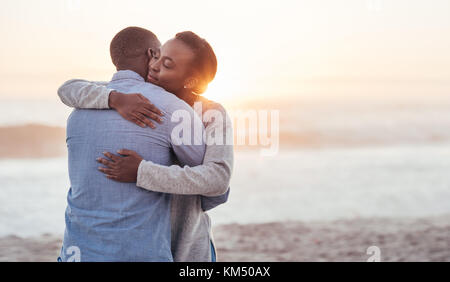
(169, 80)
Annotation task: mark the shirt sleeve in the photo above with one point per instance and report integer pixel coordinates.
(83, 94)
(186, 136)
(208, 203)
(212, 178)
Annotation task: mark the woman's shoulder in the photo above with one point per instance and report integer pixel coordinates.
(211, 105)
(210, 110)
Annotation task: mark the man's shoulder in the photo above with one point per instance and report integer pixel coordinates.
(161, 97)
(148, 88)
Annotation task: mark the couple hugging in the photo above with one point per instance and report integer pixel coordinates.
(144, 166)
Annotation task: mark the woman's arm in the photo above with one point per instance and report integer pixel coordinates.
(134, 107)
(212, 178)
(209, 179)
(83, 94)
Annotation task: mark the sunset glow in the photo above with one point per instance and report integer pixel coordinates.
(264, 48)
(327, 138)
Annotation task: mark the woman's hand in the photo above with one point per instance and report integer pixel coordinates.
(135, 108)
(121, 168)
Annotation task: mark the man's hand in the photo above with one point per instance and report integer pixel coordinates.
(121, 168)
(135, 108)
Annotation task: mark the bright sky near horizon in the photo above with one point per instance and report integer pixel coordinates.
(264, 48)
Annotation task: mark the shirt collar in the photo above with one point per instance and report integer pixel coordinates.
(127, 74)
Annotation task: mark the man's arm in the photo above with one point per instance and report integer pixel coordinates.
(83, 94)
(186, 136)
(208, 203)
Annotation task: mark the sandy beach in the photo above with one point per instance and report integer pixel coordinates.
(425, 239)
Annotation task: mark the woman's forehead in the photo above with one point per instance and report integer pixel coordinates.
(176, 50)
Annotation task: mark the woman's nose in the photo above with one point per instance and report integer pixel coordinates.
(154, 66)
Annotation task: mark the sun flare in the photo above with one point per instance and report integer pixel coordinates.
(220, 89)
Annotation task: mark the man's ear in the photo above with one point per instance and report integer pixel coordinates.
(149, 53)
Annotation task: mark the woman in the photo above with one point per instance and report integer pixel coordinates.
(183, 66)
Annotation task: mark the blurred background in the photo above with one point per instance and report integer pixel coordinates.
(363, 93)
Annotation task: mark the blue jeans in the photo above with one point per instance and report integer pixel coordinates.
(213, 253)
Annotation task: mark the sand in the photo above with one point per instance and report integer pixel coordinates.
(426, 239)
(346, 240)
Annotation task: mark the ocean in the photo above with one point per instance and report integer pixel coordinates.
(344, 161)
(304, 184)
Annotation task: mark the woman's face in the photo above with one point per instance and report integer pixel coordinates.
(169, 66)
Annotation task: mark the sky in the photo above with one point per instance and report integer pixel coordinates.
(264, 48)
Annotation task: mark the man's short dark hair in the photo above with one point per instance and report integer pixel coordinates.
(131, 43)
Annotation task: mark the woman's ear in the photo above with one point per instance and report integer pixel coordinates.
(191, 83)
(149, 53)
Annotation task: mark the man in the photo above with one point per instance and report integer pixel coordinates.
(115, 221)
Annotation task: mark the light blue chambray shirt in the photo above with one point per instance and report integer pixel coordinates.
(113, 221)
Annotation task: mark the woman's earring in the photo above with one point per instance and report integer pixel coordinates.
(185, 87)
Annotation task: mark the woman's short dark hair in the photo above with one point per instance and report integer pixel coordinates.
(204, 64)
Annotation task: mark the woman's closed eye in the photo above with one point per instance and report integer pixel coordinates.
(168, 64)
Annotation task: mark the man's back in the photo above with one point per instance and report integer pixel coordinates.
(108, 220)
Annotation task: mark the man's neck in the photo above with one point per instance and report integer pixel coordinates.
(133, 70)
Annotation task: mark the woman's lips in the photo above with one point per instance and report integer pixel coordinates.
(151, 78)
